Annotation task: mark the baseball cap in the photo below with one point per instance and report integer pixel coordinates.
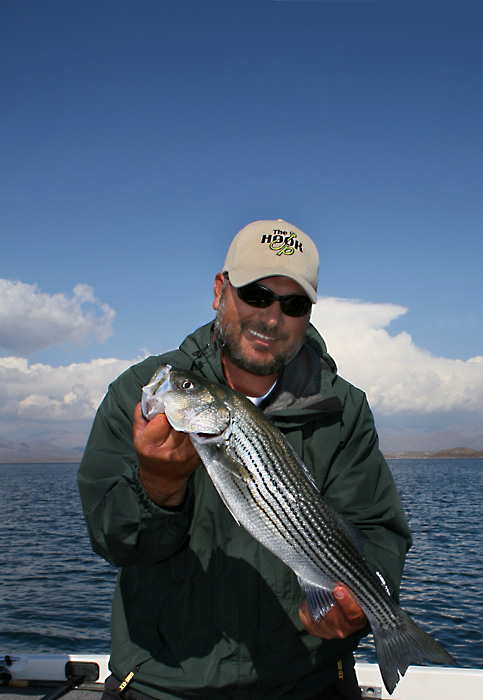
(271, 248)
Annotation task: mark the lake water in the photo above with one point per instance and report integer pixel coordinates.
(55, 594)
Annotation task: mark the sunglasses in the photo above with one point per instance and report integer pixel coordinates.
(261, 297)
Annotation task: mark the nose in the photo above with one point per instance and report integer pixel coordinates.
(272, 315)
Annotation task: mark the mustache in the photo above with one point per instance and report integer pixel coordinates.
(264, 329)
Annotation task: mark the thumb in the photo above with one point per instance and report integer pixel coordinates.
(158, 427)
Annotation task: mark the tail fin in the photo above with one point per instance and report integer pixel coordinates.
(404, 645)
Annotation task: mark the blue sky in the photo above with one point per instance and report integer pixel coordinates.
(136, 138)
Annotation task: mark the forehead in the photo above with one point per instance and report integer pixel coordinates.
(281, 285)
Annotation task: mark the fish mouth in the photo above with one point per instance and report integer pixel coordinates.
(207, 436)
(212, 438)
(152, 403)
(151, 406)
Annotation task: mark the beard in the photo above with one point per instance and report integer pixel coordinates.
(228, 334)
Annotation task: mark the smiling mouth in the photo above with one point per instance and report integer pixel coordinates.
(260, 335)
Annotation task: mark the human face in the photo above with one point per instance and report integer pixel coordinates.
(259, 341)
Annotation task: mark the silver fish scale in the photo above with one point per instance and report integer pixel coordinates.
(269, 491)
(283, 510)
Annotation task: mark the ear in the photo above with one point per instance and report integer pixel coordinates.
(217, 288)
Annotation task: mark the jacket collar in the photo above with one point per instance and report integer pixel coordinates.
(304, 387)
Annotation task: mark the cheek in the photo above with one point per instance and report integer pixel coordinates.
(297, 328)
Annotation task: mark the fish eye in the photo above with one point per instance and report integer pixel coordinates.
(187, 384)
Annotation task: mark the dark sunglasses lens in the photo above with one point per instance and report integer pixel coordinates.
(295, 305)
(261, 298)
(256, 296)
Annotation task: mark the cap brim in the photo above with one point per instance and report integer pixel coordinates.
(253, 273)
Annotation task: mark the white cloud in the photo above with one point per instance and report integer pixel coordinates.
(397, 375)
(31, 320)
(39, 396)
(399, 378)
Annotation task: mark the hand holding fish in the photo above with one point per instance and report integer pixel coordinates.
(341, 621)
(270, 492)
(166, 459)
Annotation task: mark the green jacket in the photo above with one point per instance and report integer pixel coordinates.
(201, 609)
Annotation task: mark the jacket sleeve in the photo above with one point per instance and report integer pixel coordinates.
(125, 526)
(360, 486)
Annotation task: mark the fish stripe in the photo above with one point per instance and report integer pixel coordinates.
(269, 491)
(265, 493)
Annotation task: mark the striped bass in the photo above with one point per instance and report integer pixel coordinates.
(270, 492)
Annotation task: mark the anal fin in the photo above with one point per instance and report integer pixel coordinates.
(319, 598)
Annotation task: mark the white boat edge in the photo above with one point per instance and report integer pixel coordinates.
(423, 683)
(419, 682)
(49, 667)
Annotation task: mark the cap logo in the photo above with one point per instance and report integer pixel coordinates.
(282, 242)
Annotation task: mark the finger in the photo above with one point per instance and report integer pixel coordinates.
(141, 423)
(339, 622)
(304, 613)
(351, 610)
(307, 619)
(156, 430)
(138, 414)
(321, 628)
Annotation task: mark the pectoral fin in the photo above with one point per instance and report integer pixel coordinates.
(212, 455)
(235, 468)
(213, 458)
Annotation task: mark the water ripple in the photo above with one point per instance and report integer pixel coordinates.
(443, 576)
(56, 593)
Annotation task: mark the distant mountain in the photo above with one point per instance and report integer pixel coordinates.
(393, 440)
(32, 451)
(456, 453)
(64, 446)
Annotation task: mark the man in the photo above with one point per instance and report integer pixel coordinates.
(201, 609)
